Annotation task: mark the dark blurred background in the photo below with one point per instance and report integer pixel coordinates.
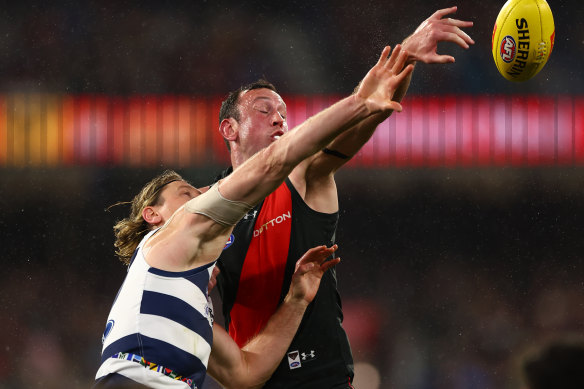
(448, 273)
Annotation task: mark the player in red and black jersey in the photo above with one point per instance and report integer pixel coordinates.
(258, 260)
(257, 265)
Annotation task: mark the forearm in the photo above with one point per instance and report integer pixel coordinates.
(351, 141)
(320, 130)
(405, 84)
(262, 173)
(253, 365)
(265, 351)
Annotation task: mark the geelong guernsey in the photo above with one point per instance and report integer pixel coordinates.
(256, 272)
(159, 330)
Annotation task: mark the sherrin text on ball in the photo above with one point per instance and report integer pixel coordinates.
(523, 38)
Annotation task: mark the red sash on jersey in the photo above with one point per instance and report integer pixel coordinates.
(260, 283)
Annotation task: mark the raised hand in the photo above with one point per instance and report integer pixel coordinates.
(381, 82)
(422, 45)
(309, 271)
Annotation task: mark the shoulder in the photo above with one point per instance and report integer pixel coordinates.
(318, 191)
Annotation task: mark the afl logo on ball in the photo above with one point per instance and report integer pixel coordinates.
(508, 49)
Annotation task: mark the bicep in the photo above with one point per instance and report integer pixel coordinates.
(187, 240)
(323, 166)
(315, 182)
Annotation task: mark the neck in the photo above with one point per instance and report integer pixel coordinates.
(238, 158)
(237, 161)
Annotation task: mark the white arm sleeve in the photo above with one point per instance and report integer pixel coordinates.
(216, 207)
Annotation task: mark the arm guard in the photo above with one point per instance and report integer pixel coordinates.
(216, 207)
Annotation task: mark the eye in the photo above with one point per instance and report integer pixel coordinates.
(265, 109)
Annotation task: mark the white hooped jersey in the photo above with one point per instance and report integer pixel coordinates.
(159, 331)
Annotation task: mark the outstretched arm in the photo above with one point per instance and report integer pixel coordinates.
(421, 46)
(197, 232)
(262, 173)
(253, 365)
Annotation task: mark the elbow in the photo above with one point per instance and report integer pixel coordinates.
(246, 373)
(252, 374)
(239, 382)
(257, 384)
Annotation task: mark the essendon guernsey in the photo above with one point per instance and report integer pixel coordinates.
(256, 271)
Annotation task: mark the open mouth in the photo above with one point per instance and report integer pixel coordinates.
(277, 135)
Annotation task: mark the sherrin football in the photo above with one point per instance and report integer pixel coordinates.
(523, 38)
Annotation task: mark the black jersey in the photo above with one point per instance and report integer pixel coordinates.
(256, 271)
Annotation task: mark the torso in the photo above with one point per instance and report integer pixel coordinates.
(164, 318)
(256, 271)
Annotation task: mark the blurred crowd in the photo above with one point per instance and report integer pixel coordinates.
(204, 47)
(446, 276)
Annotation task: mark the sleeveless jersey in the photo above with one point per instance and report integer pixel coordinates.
(159, 330)
(256, 272)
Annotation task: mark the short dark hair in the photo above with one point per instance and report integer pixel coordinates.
(229, 107)
(558, 364)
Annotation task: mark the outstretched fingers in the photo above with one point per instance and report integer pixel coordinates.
(462, 38)
(399, 61)
(443, 12)
(309, 271)
(383, 57)
(329, 264)
(395, 55)
(459, 23)
(441, 58)
(399, 77)
(456, 35)
(314, 258)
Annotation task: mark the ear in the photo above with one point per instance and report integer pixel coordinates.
(228, 129)
(150, 215)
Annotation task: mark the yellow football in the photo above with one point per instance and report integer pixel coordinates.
(523, 38)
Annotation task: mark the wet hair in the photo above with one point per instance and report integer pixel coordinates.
(559, 364)
(130, 230)
(229, 108)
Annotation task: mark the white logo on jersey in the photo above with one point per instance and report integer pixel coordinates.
(309, 356)
(255, 212)
(276, 220)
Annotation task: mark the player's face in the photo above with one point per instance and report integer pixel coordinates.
(262, 119)
(174, 195)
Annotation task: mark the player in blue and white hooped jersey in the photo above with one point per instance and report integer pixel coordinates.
(159, 332)
(160, 315)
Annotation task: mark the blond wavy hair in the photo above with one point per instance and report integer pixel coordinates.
(130, 231)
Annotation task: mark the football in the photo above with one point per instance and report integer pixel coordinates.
(523, 38)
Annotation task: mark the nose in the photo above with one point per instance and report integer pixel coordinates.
(278, 119)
